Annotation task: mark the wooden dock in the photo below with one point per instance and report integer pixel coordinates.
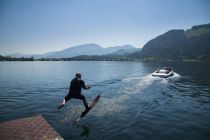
(31, 128)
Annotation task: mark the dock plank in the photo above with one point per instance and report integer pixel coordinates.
(30, 128)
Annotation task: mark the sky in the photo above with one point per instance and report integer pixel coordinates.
(40, 26)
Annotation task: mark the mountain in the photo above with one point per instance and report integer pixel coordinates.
(115, 49)
(86, 49)
(193, 43)
(90, 49)
(125, 50)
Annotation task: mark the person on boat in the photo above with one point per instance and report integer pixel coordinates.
(75, 88)
(168, 69)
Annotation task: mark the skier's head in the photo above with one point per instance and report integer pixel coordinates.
(78, 75)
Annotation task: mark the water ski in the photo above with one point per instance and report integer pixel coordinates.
(90, 107)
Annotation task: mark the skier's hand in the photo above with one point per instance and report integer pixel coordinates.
(88, 87)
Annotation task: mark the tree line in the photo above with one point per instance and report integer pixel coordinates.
(8, 58)
(199, 58)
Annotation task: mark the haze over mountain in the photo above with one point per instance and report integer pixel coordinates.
(175, 44)
(19, 55)
(86, 49)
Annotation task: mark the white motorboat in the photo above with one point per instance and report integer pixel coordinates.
(163, 73)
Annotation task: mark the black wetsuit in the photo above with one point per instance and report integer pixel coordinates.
(75, 88)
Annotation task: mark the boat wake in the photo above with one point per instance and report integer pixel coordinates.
(115, 100)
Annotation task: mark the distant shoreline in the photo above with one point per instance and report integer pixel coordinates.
(8, 59)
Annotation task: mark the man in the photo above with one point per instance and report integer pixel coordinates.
(75, 91)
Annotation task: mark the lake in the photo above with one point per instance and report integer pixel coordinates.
(134, 105)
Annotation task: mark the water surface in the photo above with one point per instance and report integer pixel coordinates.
(133, 104)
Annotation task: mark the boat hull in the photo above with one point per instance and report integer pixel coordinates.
(163, 75)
